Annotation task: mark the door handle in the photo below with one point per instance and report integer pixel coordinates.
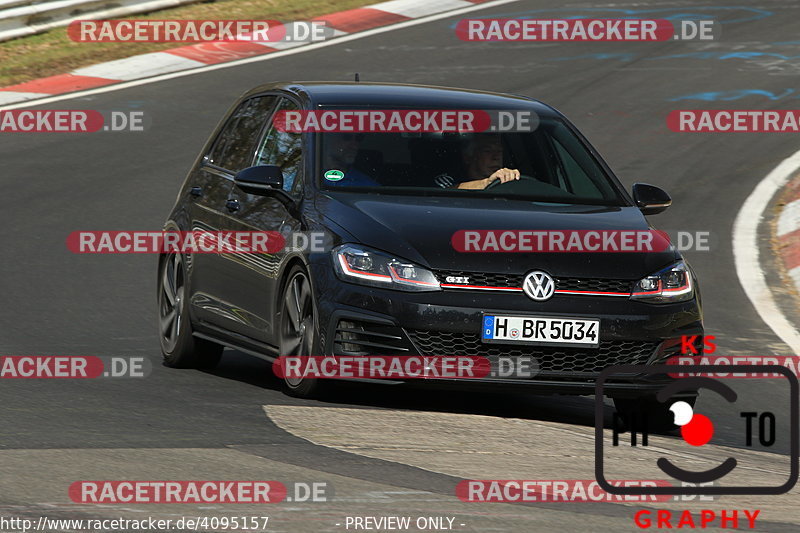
(232, 205)
(196, 192)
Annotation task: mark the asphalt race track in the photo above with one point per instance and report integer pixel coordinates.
(235, 422)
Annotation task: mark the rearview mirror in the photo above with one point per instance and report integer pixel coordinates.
(650, 199)
(260, 179)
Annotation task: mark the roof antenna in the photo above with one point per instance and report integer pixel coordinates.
(357, 78)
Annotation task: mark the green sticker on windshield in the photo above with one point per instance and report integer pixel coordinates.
(334, 175)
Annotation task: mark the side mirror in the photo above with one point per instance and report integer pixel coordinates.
(650, 199)
(262, 179)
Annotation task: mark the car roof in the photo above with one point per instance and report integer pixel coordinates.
(359, 94)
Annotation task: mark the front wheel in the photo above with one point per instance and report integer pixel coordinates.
(178, 347)
(299, 330)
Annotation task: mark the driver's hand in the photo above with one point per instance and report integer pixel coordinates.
(504, 175)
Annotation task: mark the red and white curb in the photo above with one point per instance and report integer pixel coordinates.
(788, 231)
(202, 54)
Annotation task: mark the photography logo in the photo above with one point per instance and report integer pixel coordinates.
(696, 429)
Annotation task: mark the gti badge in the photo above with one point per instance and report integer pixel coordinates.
(461, 280)
(538, 285)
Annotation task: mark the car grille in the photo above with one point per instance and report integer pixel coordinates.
(562, 284)
(482, 278)
(551, 360)
(597, 285)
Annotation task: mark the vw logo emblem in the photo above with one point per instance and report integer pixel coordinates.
(538, 286)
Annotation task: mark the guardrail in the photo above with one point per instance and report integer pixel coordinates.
(25, 17)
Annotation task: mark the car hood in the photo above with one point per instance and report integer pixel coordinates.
(420, 228)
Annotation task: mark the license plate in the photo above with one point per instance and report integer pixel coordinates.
(541, 330)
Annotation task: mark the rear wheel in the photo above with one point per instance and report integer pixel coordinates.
(299, 329)
(179, 348)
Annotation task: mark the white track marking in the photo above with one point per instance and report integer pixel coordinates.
(135, 67)
(789, 220)
(746, 256)
(255, 59)
(16, 96)
(419, 8)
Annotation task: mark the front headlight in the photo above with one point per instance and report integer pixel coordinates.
(359, 264)
(670, 285)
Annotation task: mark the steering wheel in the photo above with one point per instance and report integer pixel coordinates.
(497, 182)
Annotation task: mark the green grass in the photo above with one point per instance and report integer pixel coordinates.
(53, 52)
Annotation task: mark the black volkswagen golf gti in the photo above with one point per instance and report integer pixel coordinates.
(389, 280)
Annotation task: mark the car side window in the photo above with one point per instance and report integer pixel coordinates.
(579, 181)
(283, 149)
(233, 150)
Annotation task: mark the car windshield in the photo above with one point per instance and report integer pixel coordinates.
(549, 164)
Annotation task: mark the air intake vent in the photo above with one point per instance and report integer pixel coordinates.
(366, 338)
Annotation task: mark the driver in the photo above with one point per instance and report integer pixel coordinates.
(483, 158)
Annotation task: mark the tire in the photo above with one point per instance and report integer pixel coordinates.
(657, 414)
(179, 348)
(298, 330)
